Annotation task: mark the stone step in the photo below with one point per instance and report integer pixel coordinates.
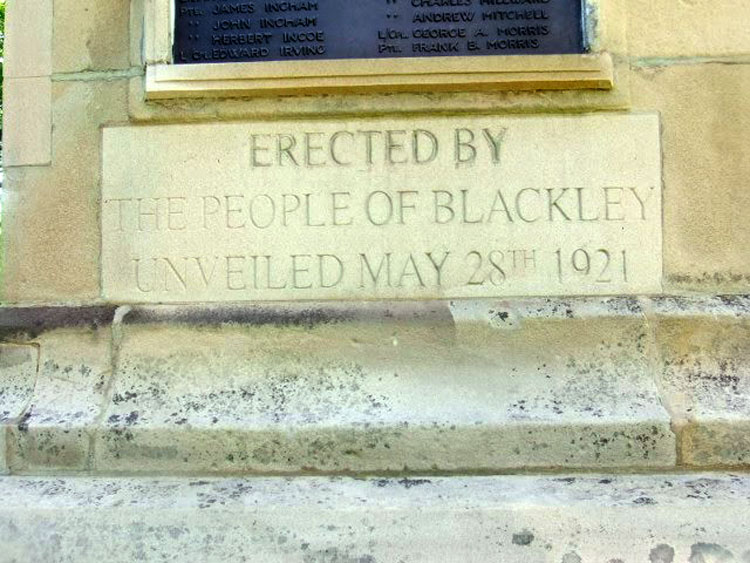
(701, 518)
(467, 386)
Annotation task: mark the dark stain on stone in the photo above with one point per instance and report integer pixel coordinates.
(706, 377)
(662, 553)
(644, 501)
(502, 315)
(123, 433)
(740, 302)
(23, 424)
(15, 356)
(571, 557)
(335, 555)
(405, 482)
(33, 321)
(701, 488)
(709, 553)
(132, 418)
(717, 278)
(523, 538)
(306, 317)
(121, 398)
(628, 304)
(409, 483)
(205, 500)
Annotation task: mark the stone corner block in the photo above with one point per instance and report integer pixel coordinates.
(28, 39)
(74, 366)
(705, 374)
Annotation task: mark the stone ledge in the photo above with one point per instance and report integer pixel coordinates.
(36, 319)
(30, 322)
(355, 388)
(514, 519)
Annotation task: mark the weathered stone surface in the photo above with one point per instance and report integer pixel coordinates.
(137, 24)
(704, 137)
(705, 358)
(51, 226)
(27, 121)
(28, 39)
(18, 367)
(91, 35)
(688, 29)
(355, 387)
(514, 519)
(74, 368)
(379, 209)
(418, 393)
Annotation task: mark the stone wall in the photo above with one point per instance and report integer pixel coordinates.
(559, 429)
(79, 65)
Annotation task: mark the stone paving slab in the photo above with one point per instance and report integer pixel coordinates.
(700, 518)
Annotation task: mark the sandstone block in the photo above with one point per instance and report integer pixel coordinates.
(51, 233)
(373, 394)
(382, 209)
(705, 114)
(27, 121)
(705, 358)
(91, 35)
(73, 373)
(28, 39)
(685, 29)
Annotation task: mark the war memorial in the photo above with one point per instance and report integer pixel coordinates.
(376, 281)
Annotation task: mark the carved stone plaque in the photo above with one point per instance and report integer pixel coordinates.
(373, 208)
(210, 31)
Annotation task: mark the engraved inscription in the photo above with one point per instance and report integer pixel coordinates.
(425, 208)
(232, 30)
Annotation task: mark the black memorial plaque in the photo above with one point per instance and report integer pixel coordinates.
(214, 31)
